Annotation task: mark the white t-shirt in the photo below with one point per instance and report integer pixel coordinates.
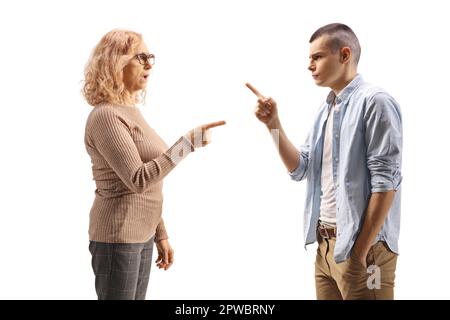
(328, 195)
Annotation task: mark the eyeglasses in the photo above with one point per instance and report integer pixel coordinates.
(144, 58)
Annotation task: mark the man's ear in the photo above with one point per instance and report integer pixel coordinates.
(346, 54)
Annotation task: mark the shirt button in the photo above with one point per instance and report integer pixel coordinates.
(337, 159)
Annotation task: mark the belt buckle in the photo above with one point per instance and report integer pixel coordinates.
(323, 232)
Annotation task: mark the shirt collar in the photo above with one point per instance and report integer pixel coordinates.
(345, 94)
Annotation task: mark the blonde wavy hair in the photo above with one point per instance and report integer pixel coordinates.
(103, 74)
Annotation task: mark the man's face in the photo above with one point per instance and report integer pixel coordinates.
(326, 66)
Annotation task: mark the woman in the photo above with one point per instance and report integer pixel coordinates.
(129, 162)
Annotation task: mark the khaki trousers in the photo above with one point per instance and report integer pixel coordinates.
(350, 280)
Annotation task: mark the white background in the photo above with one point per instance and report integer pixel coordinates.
(233, 214)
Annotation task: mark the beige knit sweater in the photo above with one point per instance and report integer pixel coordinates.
(129, 162)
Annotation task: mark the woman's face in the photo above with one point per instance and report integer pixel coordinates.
(135, 74)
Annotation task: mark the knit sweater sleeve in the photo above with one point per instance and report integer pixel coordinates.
(161, 232)
(111, 137)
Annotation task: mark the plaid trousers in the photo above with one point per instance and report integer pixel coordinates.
(122, 270)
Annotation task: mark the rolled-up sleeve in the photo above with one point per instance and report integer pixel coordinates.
(383, 136)
(300, 172)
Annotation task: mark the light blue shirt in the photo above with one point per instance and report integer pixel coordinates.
(367, 156)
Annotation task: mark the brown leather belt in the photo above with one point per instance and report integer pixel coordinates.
(326, 232)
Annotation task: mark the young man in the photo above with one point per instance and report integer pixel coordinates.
(352, 162)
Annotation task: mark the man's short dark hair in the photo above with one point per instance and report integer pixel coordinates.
(340, 36)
